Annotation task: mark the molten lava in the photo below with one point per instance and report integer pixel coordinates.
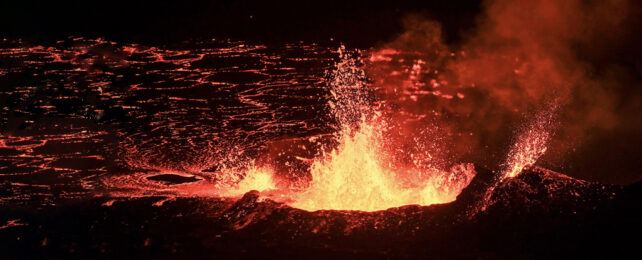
(357, 176)
(377, 161)
(260, 179)
(531, 142)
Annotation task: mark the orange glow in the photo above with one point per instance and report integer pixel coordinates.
(356, 176)
(260, 179)
(231, 184)
(359, 174)
(381, 156)
(367, 170)
(530, 144)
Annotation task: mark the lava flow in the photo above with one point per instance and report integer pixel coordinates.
(366, 144)
(366, 169)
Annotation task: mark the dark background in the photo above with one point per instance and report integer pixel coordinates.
(358, 23)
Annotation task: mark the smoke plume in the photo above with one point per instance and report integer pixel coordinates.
(521, 56)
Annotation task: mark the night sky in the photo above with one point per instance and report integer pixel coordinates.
(358, 23)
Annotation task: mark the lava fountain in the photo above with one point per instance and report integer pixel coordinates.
(357, 174)
(531, 142)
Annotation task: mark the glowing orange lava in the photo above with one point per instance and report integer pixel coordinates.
(357, 176)
(361, 172)
(260, 179)
(531, 143)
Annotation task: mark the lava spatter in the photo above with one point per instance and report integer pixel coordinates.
(531, 141)
(358, 174)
